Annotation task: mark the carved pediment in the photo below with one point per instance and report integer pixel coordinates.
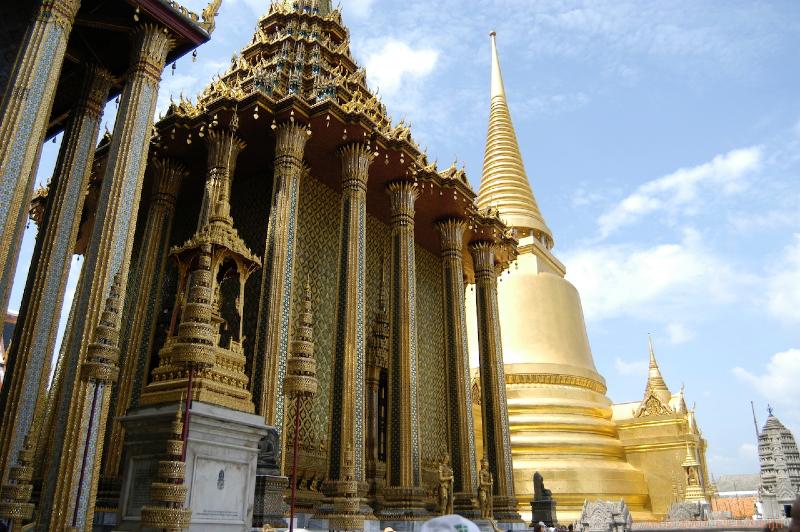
(652, 406)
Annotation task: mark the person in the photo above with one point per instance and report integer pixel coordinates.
(794, 526)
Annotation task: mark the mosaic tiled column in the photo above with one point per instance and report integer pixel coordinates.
(345, 485)
(145, 297)
(272, 334)
(459, 417)
(24, 115)
(494, 409)
(28, 369)
(403, 493)
(70, 481)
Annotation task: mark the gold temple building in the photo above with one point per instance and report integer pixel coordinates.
(277, 243)
(560, 420)
(198, 232)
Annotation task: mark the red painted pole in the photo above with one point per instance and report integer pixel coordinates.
(297, 405)
(85, 454)
(185, 435)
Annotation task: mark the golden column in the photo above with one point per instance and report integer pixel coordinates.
(345, 458)
(70, 482)
(31, 349)
(494, 410)
(460, 425)
(23, 122)
(272, 334)
(403, 493)
(145, 297)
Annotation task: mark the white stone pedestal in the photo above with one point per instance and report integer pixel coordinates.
(220, 464)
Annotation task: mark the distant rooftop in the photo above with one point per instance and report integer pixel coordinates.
(749, 482)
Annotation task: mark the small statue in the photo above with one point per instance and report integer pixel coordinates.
(485, 485)
(445, 486)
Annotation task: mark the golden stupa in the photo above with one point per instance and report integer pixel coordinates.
(559, 416)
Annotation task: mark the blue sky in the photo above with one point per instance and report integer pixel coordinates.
(662, 140)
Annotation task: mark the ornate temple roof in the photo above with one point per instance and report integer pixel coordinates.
(504, 183)
(298, 67)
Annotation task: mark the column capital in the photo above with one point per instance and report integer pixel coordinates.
(223, 146)
(356, 159)
(451, 235)
(61, 12)
(290, 140)
(402, 196)
(97, 81)
(169, 174)
(152, 44)
(482, 257)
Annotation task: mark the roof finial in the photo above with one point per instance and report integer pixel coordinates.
(655, 382)
(769, 408)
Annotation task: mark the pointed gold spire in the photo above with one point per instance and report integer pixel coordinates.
(655, 382)
(504, 184)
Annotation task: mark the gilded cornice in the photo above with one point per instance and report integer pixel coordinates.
(556, 379)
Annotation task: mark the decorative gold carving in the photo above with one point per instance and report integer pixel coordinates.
(485, 489)
(557, 380)
(301, 367)
(102, 355)
(169, 491)
(445, 494)
(16, 493)
(209, 22)
(152, 44)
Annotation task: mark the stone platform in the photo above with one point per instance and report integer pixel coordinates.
(220, 464)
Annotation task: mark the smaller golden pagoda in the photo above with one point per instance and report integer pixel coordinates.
(661, 438)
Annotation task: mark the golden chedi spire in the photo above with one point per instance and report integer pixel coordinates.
(168, 491)
(504, 184)
(560, 420)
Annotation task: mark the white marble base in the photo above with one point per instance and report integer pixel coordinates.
(220, 465)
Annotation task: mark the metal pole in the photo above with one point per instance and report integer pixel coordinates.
(297, 406)
(185, 435)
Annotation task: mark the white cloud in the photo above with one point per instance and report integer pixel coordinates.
(630, 368)
(681, 190)
(665, 281)
(783, 285)
(679, 333)
(778, 382)
(392, 64)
